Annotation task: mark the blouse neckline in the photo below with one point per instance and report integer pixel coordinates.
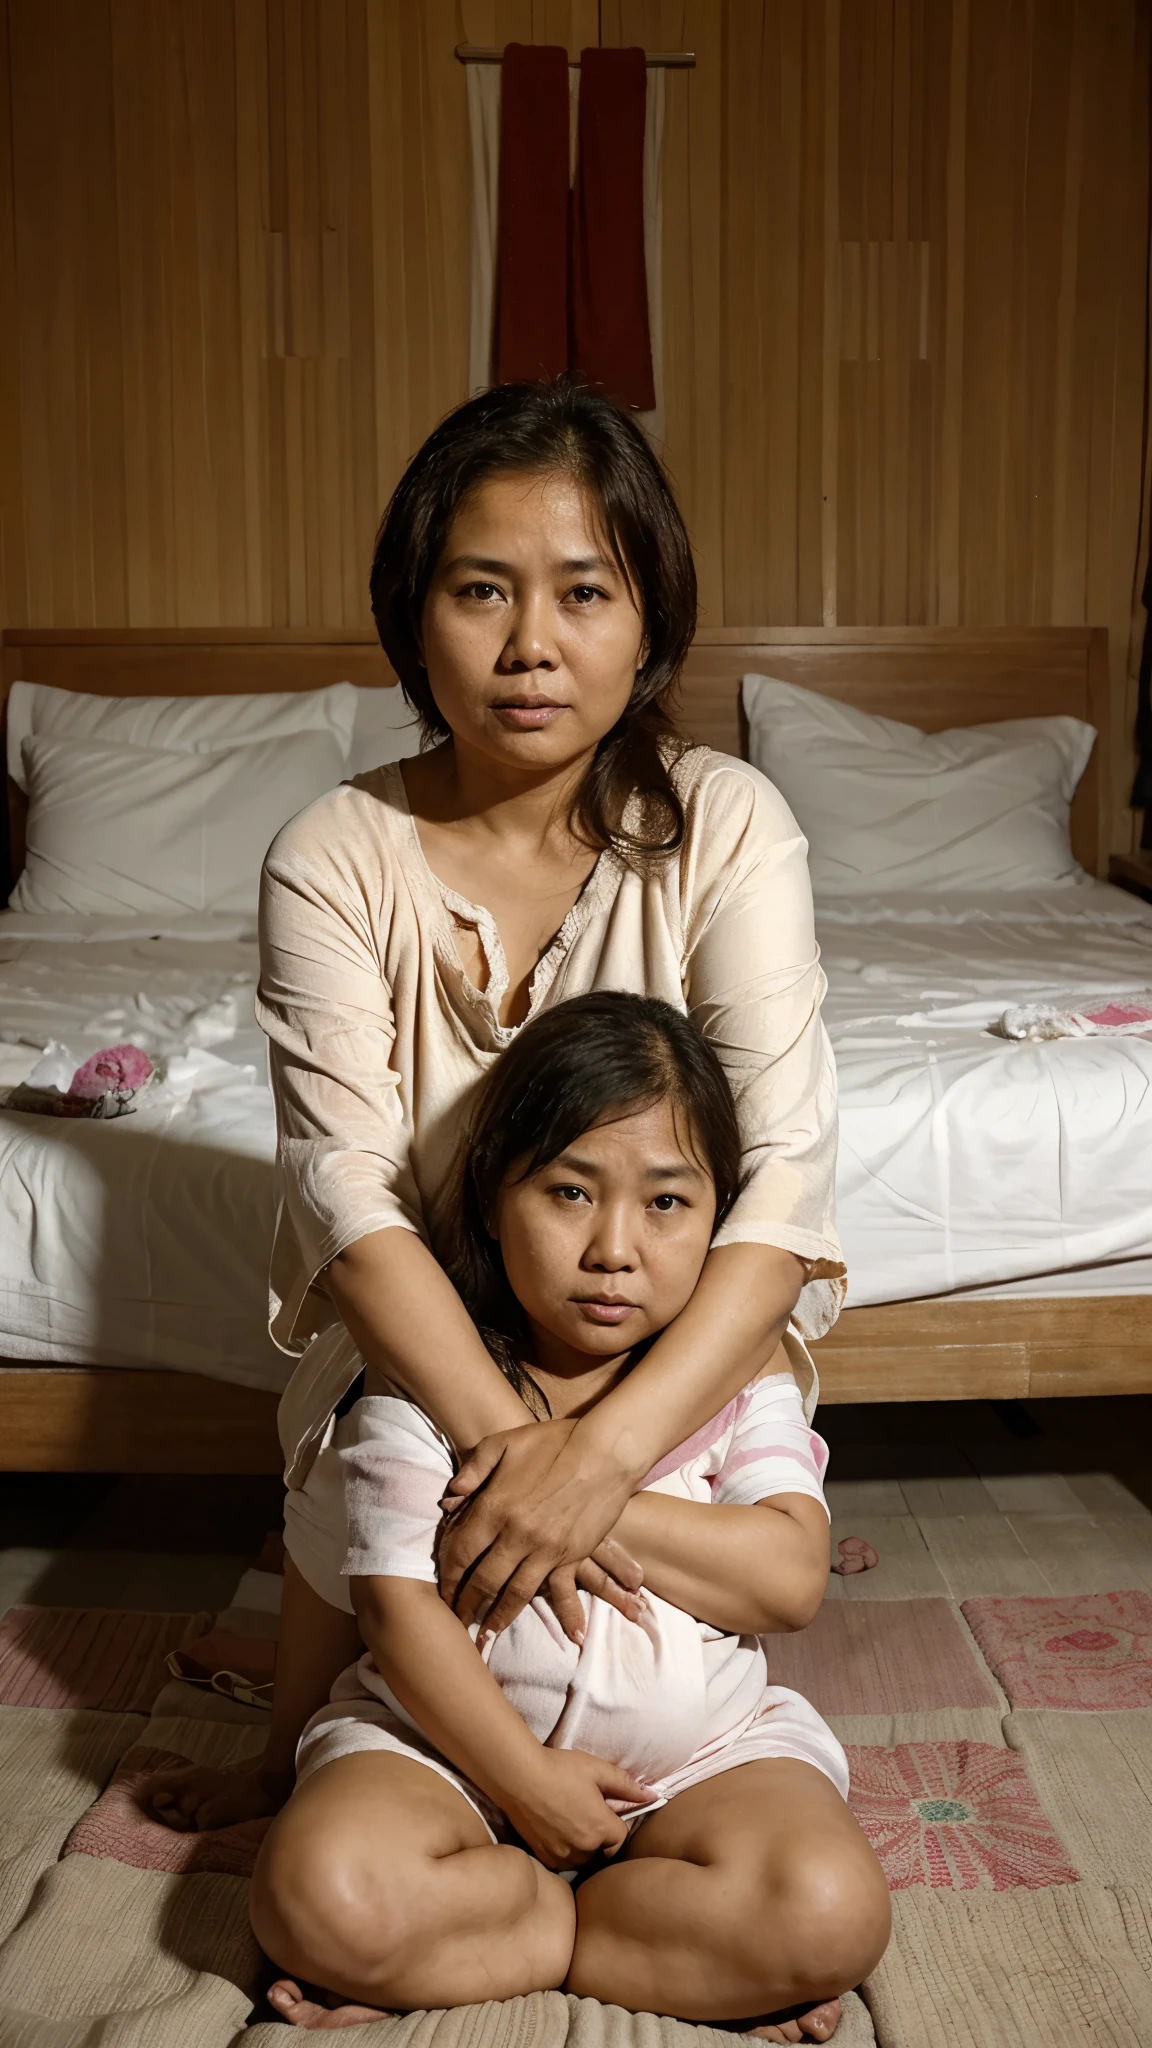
(448, 904)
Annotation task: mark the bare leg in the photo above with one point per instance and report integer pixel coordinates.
(316, 1643)
(749, 1894)
(379, 1881)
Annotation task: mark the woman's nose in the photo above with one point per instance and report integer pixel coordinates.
(531, 644)
(611, 1248)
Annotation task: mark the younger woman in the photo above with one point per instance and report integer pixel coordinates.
(455, 1774)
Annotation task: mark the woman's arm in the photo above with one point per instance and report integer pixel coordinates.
(556, 1799)
(758, 1570)
(410, 1325)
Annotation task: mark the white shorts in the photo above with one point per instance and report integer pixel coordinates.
(316, 1523)
(785, 1726)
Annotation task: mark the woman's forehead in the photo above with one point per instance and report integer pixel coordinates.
(542, 510)
(627, 1140)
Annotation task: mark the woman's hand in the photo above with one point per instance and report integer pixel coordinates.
(564, 1807)
(536, 1504)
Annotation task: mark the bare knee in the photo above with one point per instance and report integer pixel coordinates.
(832, 1913)
(319, 1914)
(815, 1926)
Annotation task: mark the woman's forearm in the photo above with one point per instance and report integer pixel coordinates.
(747, 1570)
(410, 1324)
(723, 1337)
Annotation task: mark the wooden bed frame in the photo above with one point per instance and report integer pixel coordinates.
(72, 1418)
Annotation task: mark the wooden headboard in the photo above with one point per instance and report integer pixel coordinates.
(932, 677)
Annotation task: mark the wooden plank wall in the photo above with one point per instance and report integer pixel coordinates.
(906, 247)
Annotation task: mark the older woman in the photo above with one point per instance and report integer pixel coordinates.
(533, 588)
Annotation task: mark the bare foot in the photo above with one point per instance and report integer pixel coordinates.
(196, 1798)
(855, 1556)
(818, 2025)
(289, 2001)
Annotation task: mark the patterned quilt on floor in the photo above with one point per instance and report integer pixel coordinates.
(1001, 1757)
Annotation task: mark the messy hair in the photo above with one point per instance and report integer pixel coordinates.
(569, 429)
(588, 1061)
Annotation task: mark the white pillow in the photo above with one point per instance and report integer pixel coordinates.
(113, 829)
(192, 725)
(887, 807)
(387, 729)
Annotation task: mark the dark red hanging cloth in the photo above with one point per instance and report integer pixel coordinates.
(532, 244)
(611, 344)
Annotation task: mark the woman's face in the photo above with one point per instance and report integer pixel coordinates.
(531, 634)
(604, 1245)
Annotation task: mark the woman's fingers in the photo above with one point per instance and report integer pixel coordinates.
(478, 1466)
(498, 1591)
(466, 1537)
(619, 1564)
(594, 1579)
(616, 1783)
(565, 1600)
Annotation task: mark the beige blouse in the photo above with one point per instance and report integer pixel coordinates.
(379, 1041)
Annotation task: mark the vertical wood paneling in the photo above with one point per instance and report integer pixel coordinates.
(13, 576)
(67, 311)
(905, 261)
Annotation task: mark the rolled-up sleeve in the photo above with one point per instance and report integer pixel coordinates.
(343, 1124)
(754, 983)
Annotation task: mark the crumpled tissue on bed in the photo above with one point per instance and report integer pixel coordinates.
(115, 1081)
(1097, 1017)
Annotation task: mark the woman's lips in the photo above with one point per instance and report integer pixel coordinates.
(606, 1311)
(528, 717)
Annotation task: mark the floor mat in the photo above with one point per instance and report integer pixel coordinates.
(882, 1656)
(53, 1764)
(1035, 1969)
(130, 1958)
(119, 1827)
(1001, 1759)
(88, 1657)
(1090, 1652)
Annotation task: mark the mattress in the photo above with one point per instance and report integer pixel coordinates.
(143, 1241)
(968, 1162)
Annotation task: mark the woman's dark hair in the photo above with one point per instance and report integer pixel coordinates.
(568, 428)
(588, 1061)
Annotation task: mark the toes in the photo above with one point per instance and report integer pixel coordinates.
(284, 1993)
(820, 2024)
(288, 2000)
(855, 1556)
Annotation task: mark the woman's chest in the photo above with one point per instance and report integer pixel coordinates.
(457, 974)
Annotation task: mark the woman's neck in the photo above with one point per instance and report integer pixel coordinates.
(570, 1380)
(454, 786)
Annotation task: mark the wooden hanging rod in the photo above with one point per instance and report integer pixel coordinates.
(658, 60)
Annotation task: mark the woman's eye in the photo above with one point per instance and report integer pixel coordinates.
(570, 1195)
(585, 593)
(484, 591)
(664, 1204)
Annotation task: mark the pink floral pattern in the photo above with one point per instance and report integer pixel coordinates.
(1086, 1652)
(958, 1816)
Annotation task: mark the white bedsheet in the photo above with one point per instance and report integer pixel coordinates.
(143, 1241)
(966, 1160)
